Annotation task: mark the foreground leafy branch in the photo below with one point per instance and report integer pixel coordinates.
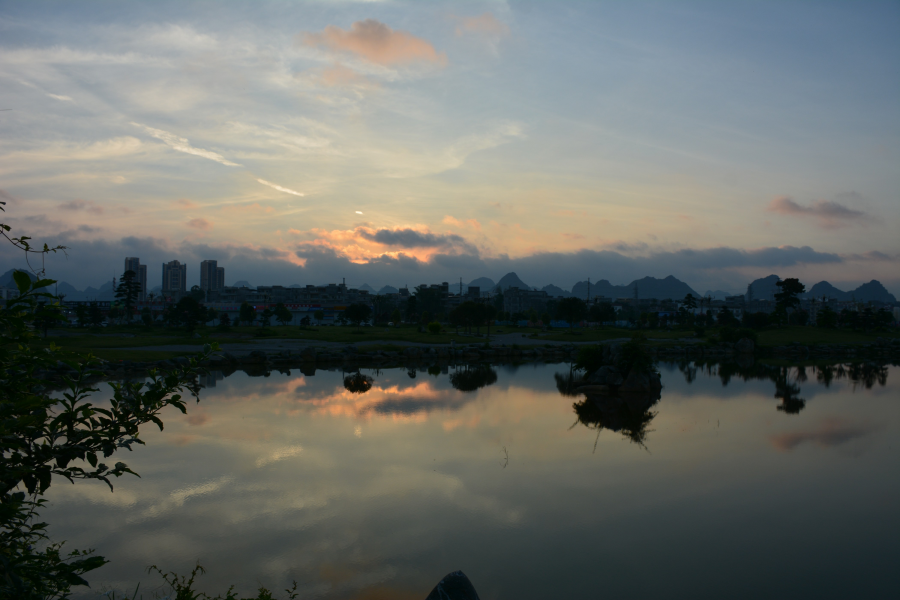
(43, 438)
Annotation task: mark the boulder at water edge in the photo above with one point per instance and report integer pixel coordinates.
(607, 375)
(641, 382)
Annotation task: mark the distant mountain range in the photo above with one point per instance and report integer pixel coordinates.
(648, 287)
(872, 291)
(718, 294)
(764, 288)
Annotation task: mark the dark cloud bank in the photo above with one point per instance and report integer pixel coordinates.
(92, 262)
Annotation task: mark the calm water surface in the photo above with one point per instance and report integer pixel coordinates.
(712, 491)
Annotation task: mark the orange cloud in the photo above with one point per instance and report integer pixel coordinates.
(474, 224)
(185, 203)
(363, 243)
(340, 76)
(201, 224)
(377, 43)
(830, 432)
(486, 24)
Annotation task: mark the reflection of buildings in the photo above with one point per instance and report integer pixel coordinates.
(209, 380)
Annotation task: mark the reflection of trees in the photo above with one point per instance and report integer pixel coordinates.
(470, 378)
(629, 415)
(787, 378)
(789, 391)
(358, 383)
(867, 373)
(567, 383)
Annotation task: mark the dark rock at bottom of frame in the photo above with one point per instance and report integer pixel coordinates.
(454, 586)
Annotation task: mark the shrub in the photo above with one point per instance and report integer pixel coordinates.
(634, 357)
(589, 359)
(732, 334)
(434, 327)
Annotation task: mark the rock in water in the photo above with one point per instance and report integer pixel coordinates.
(454, 586)
(641, 382)
(607, 375)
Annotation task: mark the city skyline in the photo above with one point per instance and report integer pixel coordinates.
(397, 143)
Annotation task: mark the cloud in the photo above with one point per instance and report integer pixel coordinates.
(279, 188)
(831, 432)
(185, 203)
(486, 24)
(830, 215)
(410, 238)
(81, 205)
(202, 224)
(377, 43)
(61, 98)
(183, 145)
(338, 75)
(473, 223)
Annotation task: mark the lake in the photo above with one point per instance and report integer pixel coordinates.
(740, 482)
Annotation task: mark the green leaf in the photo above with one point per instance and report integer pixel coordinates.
(23, 281)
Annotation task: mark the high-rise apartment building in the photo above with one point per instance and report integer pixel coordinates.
(133, 263)
(174, 277)
(212, 276)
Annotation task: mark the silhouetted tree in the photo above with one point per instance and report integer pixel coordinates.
(247, 313)
(147, 316)
(572, 310)
(127, 292)
(357, 313)
(283, 314)
(187, 313)
(787, 298)
(95, 314)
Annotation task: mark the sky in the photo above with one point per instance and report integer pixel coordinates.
(403, 143)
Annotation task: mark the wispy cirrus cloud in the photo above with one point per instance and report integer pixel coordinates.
(376, 42)
(275, 186)
(184, 145)
(829, 215)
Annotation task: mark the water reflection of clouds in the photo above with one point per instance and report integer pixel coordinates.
(402, 404)
(830, 432)
(177, 498)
